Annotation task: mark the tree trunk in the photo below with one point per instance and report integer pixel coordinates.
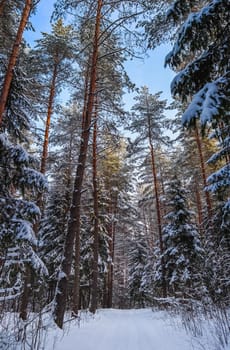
(86, 94)
(48, 119)
(158, 206)
(73, 232)
(13, 58)
(198, 204)
(2, 4)
(26, 294)
(94, 289)
(203, 172)
(76, 284)
(104, 296)
(76, 303)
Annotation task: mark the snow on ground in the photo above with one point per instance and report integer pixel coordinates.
(110, 329)
(121, 330)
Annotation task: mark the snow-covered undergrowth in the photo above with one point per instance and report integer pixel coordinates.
(109, 329)
(210, 331)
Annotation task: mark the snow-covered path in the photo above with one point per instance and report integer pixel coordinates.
(122, 330)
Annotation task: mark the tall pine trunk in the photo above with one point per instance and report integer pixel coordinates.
(94, 288)
(198, 204)
(13, 58)
(158, 206)
(48, 120)
(203, 172)
(25, 294)
(76, 284)
(86, 93)
(73, 232)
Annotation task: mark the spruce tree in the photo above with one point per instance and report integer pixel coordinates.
(54, 53)
(201, 54)
(64, 143)
(20, 180)
(137, 261)
(182, 246)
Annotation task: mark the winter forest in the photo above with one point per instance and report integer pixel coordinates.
(104, 206)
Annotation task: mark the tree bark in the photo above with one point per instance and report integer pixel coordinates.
(48, 119)
(13, 58)
(26, 294)
(198, 204)
(158, 206)
(76, 284)
(2, 4)
(94, 289)
(162, 205)
(86, 94)
(73, 232)
(159, 225)
(203, 172)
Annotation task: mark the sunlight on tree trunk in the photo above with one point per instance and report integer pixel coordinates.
(203, 173)
(48, 120)
(61, 296)
(13, 58)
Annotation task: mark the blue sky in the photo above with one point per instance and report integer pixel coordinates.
(150, 71)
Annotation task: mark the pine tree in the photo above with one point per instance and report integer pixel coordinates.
(13, 58)
(182, 246)
(101, 34)
(10, 13)
(201, 54)
(54, 53)
(75, 208)
(148, 121)
(65, 141)
(195, 168)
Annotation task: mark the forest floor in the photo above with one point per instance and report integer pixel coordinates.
(140, 329)
(110, 329)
